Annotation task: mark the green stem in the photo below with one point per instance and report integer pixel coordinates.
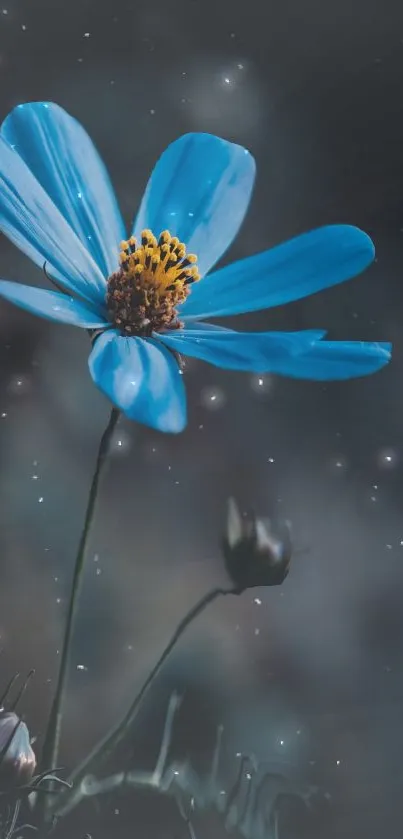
(69, 799)
(52, 738)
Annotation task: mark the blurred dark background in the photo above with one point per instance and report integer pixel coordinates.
(309, 675)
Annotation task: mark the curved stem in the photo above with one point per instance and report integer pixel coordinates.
(52, 738)
(104, 748)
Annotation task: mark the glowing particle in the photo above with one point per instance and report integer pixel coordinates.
(19, 385)
(387, 458)
(257, 601)
(212, 398)
(122, 443)
(261, 384)
(40, 500)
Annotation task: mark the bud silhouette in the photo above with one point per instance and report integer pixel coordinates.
(17, 758)
(254, 554)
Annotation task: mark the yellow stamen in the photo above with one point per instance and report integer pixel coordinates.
(154, 278)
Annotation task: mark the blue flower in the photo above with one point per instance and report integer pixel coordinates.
(141, 296)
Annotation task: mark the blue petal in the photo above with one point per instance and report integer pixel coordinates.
(65, 162)
(327, 360)
(142, 378)
(302, 266)
(254, 351)
(30, 219)
(51, 305)
(300, 355)
(199, 190)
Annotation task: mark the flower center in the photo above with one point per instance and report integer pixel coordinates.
(153, 279)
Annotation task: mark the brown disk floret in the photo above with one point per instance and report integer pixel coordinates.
(154, 278)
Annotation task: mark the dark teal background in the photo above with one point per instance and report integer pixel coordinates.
(315, 90)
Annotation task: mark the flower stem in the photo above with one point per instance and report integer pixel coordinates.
(69, 799)
(52, 738)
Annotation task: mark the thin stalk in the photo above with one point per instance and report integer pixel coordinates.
(52, 739)
(106, 746)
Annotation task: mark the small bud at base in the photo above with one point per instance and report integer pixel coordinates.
(17, 761)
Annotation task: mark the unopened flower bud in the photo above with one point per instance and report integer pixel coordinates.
(255, 552)
(17, 758)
